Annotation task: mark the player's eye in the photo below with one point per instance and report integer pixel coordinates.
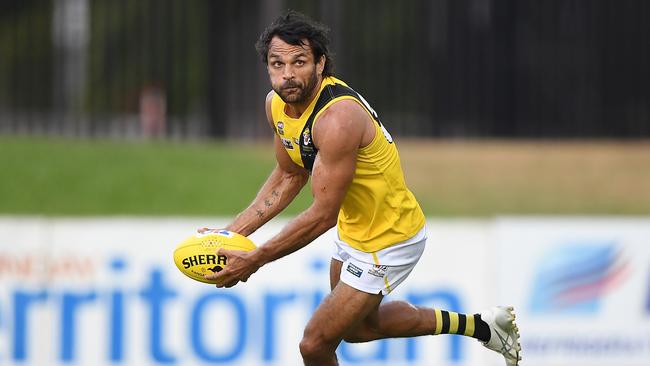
(300, 62)
(276, 63)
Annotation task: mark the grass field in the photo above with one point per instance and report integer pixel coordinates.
(65, 177)
(488, 178)
(484, 178)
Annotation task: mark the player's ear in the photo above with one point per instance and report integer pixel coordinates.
(320, 65)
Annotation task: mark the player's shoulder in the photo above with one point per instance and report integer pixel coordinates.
(345, 112)
(268, 106)
(343, 100)
(341, 124)
(269, 97)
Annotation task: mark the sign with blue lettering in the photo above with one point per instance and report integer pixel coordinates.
(99, 292)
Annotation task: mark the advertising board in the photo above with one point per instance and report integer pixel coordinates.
(581, 287)
(106, 291)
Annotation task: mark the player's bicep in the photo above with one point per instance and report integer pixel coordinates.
(331, 178)
(334, 167)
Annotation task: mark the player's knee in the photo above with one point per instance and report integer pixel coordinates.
(314, 345)
(312, 348)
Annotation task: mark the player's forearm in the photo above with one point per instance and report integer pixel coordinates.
(299, 232)
(278, 191)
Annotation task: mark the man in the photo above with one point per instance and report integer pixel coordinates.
(325, 129)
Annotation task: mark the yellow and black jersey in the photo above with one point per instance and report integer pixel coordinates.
(378, 209)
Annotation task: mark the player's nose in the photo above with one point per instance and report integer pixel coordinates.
(287, 73)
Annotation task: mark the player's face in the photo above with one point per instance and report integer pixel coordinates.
(294, 73)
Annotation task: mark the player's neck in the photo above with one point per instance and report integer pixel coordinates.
(295, 110)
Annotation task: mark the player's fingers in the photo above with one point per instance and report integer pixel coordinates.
(226, 282)
(222, 251)
(210, 276)
(221, 281)
(216, 275)
(231, 284)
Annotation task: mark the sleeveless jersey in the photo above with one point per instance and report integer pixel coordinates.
(378, 209)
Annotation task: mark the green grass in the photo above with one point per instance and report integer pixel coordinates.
(67, 177)
(86, 177)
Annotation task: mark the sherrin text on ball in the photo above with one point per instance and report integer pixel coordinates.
(197, 255)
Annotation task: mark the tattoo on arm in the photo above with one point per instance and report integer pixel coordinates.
(268, 203)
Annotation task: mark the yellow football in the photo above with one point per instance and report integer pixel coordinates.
(196, 256)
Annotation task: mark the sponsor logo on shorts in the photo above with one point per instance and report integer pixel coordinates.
(354, 270)
(378, 271)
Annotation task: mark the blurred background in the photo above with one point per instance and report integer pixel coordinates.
(435, 68)
(523, 128)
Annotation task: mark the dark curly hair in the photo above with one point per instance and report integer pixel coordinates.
(293, 28)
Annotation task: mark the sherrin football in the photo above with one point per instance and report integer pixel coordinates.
(196, 256)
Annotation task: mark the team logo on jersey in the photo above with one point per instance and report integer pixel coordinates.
(281, 128)
(287, 143)
(306, 137)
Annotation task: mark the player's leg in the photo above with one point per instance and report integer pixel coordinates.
(402, 319)
(389, 320)
(495, 327)
(341, 311)
(368, 272)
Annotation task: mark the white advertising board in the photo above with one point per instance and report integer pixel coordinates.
(581, 287)
(106, 291)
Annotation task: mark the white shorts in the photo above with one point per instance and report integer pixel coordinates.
(382, 271)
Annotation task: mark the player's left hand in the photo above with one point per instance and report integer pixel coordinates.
(240, 266)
